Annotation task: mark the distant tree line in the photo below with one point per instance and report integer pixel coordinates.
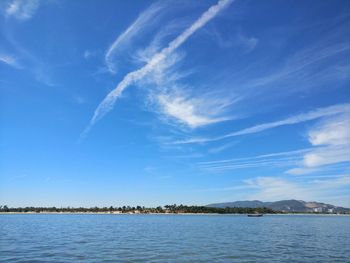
(174, 209)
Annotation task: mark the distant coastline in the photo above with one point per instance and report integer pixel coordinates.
(161, 214)
(166, 210)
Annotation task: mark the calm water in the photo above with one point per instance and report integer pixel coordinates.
(173, 238)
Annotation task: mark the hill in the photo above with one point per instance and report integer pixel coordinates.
(286, 206)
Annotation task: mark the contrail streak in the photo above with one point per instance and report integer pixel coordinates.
(107, 104)
(146, 17)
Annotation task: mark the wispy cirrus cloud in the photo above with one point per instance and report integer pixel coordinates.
(272, 188)
(145, 54)
(241, 40)
(221, 148)
(23, 58)
(88, 54)
(330, 139)
(280, 159)
(193, 111)
(144, 21)
(9, 60)
(299, 118)
(312, 171)
(249, 43)
(310, 60)
(301, 71)
(327, 155)
(22, 10)
(329, 151)
(332, 131)
(177, 103)
(131, 78)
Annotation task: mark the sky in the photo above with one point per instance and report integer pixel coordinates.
(161, 102)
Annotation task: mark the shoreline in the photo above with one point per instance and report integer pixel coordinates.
(180, 214)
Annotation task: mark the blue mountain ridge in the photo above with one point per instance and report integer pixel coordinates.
(285, 205)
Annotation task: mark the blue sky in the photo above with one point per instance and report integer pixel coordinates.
(158, 102)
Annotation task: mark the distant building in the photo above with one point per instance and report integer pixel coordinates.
(317, 209)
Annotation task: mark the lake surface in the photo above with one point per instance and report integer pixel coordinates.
(174, 238)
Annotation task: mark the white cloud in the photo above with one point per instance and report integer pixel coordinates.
(9, 60)
(163, 74)
(303, 117)
(249, 43)
(330, 148)
(22, 9)
(89, 54)
(331, 141)
(273, 189)
(193, 112)
(144, 55)
(131, 78)
(318, 170)
(335, 131)
(333, 135)
(178, 104)
(147, 18)
(25, 59)
(299, 171)
(328, 184)
(240, 40)
(327, 155)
